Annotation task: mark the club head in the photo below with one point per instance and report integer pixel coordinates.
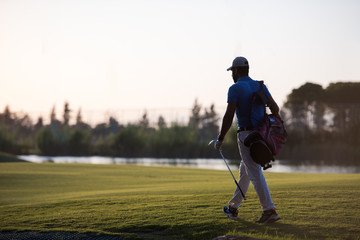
(211, 142)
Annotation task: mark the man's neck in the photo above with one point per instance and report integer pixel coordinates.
(244, 75)
(241, 76)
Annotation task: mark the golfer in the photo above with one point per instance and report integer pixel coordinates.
(239, 101)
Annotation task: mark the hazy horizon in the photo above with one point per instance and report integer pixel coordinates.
(127, 56)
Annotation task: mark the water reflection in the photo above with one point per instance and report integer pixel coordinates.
(217, 164)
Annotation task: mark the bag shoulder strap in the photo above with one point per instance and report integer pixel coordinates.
(261, 93)
(262, 96)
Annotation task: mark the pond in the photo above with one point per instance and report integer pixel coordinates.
(217, 164)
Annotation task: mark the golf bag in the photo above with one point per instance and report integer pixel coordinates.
(268, 138)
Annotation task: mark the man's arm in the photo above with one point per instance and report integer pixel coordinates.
(274, 108)
(227, 120)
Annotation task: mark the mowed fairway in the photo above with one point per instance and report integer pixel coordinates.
(172, 203)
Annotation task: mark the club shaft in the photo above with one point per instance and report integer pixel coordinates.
(242, 194)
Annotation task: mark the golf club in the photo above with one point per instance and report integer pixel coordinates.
(242, 194)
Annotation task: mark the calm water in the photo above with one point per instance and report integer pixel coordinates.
(218, 164)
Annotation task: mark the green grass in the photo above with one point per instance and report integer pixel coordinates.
(172, 203)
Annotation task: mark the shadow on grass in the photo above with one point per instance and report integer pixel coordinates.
(214, 229)
(207, 230)
(284, 230)
(32, 235)
(277, 229)
(171, 231)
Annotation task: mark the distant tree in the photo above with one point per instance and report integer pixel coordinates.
(307, 93)
(7, 117)
(113, 125)
(319, 112)
(24, 126)
(39, 124)
(66, 114)
(305, 107)
(46, 142)
(54, 123)
(144, 122)
(79, 142)
(25, 121)
(343, 92)
(129, 142)
(100, 130)
(79, 117)
(318, 118)
(210, 118)
(53, 115)
(343, 100)
(195, 117)
(6, 141)
(210, 124)
(80, 124)
(161, 122)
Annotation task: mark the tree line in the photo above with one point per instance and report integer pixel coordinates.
(18, 135)
(323, 124)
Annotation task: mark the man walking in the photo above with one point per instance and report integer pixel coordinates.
(239, 101)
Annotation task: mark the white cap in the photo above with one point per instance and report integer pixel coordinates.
(239, 62)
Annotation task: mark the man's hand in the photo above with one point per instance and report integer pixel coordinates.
(218, 143)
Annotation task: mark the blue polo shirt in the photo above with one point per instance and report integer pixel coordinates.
(241, 93)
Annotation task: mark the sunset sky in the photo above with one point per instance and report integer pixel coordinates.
(118, 56)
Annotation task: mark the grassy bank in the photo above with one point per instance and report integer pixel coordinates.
(5, 157)
(172, 203)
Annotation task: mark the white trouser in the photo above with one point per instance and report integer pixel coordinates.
(251, 171)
